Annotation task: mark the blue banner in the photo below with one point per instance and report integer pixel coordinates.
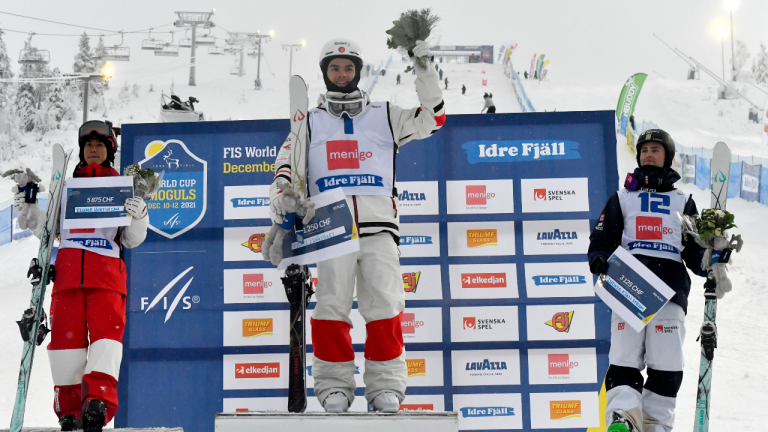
(207, 318)
(6, 225)
(689, 169)
(702, 173)
(734, 181)
(750, 182)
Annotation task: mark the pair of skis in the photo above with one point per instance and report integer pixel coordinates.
(297, 279)
(32, 324)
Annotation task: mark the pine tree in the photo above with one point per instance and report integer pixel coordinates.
(740, 58)
(56, 96)
(5, 60)
(83, 61)
(760, 66)
(25, 107)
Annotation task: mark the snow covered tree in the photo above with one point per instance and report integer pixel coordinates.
(760, 66)
(9, 124)
(739, 61)
(125, 94)
(151, 88)
(135, 90)
(5, 60)
(56, 95)
(25, 107)
(83, 61)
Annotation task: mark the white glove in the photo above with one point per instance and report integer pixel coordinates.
(285, 202)
(18, 201)
(136, 207)
(422, 50)
(272, 249)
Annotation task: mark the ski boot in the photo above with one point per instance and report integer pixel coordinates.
(336, 403)
(93, 413)
(621, 424)
(385, 402)
(70, 423)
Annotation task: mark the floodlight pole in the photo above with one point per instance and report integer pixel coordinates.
(86, 87)
(258, 63)
(733, 55)
(242, 49)
(290, 48)
(192, 20)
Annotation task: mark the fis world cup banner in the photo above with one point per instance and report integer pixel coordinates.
(631, 290)
(490, 216)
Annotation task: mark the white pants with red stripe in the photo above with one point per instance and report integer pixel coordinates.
(380, 300)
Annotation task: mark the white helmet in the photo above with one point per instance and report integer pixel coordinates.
(341, 47)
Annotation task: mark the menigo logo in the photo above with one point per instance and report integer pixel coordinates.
(257, 370)
(473, 323)
(416, 367)
(416, 407)
(650, 228)
(343, 154)
(561, 321)
(180, 203)
(469, 412)
(483, 280)
(477, 195)
(410, 323)
(559, 280)
(560, 364)
(250, 202)
(411, 281)
(482, 237)
(254, 283)
(180, 297)
(415, 240)
(253, 327)
(255, 242)
(561, 410)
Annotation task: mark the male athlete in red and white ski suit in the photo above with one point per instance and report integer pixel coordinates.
(88, 308)
(362, 144)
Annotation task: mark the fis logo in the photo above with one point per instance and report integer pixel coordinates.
(180, 297)
(477, 195)
(650, 228)
(416, 367)
(539, 194)
(408, 196)
(343, 154)
(411, 281)
(557, 235)
(559, 364)
(470, 412)
(561, 410)
(410, 324)
(255, 283)
(257, 327)
(250, 202)
(481, 238)
(561, 321)
(470, 323)
(416, 407)
(483, 280)
(255, 241)
(415, 240)
(486, 365)
(257, 370)
(559, 280)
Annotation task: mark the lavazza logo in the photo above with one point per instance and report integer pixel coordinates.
(187, 301)
(557, 235)
(406, 197)
(485, 368)
(474, 323)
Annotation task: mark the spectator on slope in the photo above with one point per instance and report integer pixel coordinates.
(525, 74)
(441, 74)
(463, 89)
(446, 83)
(398, 79)
(489, 105)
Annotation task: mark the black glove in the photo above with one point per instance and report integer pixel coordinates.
(599, 266)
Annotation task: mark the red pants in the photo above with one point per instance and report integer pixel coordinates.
(81, 373)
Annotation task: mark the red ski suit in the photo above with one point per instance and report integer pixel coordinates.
(88, 312)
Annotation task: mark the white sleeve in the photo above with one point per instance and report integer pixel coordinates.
(423, 121)
(283, 171)
(35, 212)
(135, 233)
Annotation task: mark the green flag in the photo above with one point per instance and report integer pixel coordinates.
(629, 95)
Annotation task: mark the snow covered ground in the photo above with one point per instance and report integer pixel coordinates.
(687, 109)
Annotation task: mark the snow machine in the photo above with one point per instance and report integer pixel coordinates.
(175, 111)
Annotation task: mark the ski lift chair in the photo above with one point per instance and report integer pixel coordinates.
(168, 49)
(214, 50)
(117, 52)
(32, 55)
(185, 43)
(151, 44)
(205, 40)
(253, 53)
(235, 70)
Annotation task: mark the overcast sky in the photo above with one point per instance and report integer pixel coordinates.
(594, 41)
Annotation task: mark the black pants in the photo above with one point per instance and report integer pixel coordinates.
(491, 109)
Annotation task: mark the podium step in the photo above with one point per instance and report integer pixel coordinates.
(327, 422)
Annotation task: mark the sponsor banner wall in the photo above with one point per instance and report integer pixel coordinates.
(480, 196)
(492, 274)
(750, 182)
(483, 281)
(565, 410)
(560, 279)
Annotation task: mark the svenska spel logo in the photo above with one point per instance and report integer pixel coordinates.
(561, 410)
(416, 367)
(255, 242)
(411, 281)
(257, 370)
(482, 238)
(254, 327)
(410, 324)
(470, 323)
(561, 321)
(539, 194)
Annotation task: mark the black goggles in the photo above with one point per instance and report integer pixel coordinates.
(95, 129)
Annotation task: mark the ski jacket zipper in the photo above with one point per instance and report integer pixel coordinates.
(82, 268)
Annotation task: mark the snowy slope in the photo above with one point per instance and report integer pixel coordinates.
(689, 110)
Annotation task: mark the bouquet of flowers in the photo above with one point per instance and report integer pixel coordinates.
(146, 182)
(413, 25)
(709, 230)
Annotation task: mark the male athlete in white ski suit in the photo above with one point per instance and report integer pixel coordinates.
(353, 138)
(643, 218)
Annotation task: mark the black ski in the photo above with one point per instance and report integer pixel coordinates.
(298, 288)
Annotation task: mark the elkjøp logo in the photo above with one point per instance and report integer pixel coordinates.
(520, 151)
(180, 203)
(180, 297)
(469, 412)
(559, 280)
